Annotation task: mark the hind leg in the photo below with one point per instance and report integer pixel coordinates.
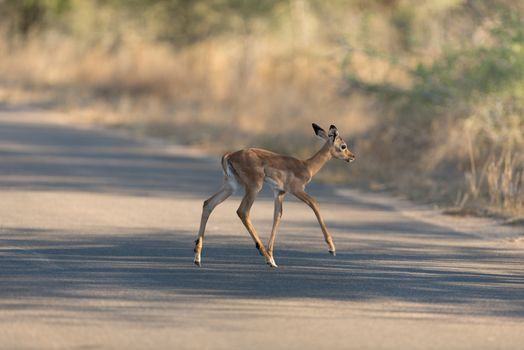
(209, 205)
(243, 214)
(277, 215)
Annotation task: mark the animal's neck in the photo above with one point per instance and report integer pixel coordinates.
(319, 159)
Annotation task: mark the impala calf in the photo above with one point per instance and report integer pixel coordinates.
(250, 168)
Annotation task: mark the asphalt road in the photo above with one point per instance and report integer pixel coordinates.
(96, 252)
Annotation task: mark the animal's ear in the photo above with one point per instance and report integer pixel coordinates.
(333, 132)
(320, 132)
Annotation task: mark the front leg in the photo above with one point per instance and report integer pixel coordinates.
(306, 198)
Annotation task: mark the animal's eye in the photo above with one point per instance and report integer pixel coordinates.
(343, 146)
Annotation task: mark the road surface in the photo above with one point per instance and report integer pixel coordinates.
(96, 252)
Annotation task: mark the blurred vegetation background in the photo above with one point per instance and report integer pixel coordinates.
(429, 94)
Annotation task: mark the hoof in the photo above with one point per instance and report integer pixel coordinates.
(197, 260)
(332, 252)
(272, 263)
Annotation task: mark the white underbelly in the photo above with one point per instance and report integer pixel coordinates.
(275, 186)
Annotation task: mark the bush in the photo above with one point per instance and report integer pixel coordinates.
(463, 111)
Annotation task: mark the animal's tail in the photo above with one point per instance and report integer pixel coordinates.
(228, 168)
(225, 163)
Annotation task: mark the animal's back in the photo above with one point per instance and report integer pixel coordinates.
(257, 164)
(247, 164)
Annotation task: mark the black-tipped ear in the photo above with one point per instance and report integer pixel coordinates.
(316, 128)
(319, 131)
(333, 131)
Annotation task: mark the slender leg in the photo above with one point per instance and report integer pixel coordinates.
(306, 198)
(209, 205)
(243, 213)
(277, 215)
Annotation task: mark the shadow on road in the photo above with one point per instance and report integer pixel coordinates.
(70, 267)
(52, 157)
(47, 157)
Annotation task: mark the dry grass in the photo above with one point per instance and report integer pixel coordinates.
(226, 94)
(491, 157)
